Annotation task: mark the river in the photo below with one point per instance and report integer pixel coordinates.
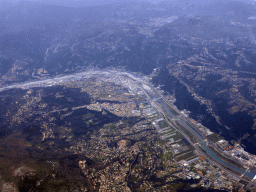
(249, 173)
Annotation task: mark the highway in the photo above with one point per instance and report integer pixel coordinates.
(157, 101)
(198, 146)
(180, 120)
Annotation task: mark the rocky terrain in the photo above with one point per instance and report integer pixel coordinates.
(202, 53)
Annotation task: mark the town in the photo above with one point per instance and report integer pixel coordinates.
(147, 133)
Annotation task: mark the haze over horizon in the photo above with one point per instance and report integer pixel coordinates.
(77, 3)
(127, 95)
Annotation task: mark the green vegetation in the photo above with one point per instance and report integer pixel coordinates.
(192, 157)
(177, 136)
(184, 155)
(166, 156)
(184, 130)
(214, 137)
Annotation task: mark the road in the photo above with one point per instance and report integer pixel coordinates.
(157, 101)
(171, 119)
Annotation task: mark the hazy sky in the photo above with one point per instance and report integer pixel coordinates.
(77, 3)
(80, 2)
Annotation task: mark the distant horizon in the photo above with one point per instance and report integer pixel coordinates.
(77, 3)
(81, 3)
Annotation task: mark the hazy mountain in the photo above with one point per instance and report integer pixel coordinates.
(204, 48)
(201, 52)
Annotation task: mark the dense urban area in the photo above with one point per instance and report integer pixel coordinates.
(125, 134)
(127, 96)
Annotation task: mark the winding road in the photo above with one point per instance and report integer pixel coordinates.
(158, 102)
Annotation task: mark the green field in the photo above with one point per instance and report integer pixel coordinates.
(184, 155)
(214, 137)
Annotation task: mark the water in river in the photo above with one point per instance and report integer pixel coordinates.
(249, 173)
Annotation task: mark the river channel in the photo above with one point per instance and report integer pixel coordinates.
(249, 173)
